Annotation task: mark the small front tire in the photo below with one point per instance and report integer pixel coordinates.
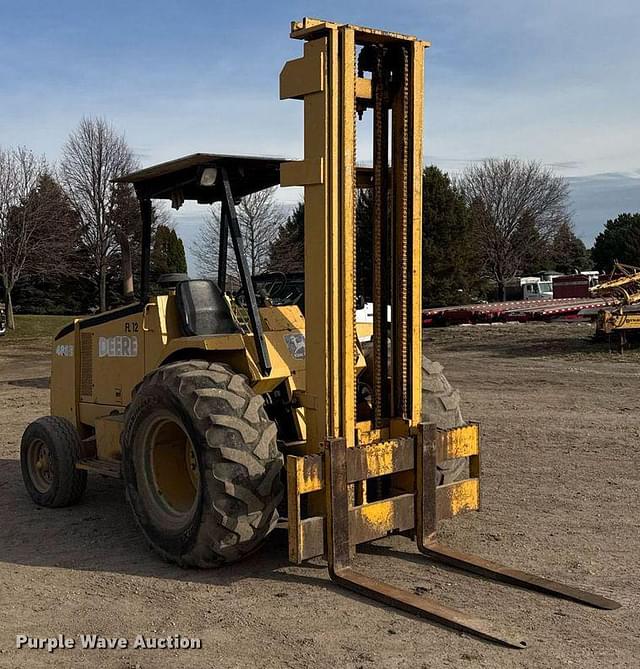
(49, 452)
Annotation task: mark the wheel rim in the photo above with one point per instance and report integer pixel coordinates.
(171, 471)
(40, 465)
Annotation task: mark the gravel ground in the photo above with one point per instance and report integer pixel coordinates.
(560, 490)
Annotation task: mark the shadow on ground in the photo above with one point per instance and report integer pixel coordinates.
(37, 382)
(100, 535)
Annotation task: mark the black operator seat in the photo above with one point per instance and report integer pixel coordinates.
(203, 309)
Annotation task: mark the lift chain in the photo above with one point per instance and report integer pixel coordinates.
(354, 228)
(402, 231)
(380, 224)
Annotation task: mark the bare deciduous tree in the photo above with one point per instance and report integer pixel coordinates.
(33, 239)
(94, 154)
(515, 204)
(286, 253)
(259, 216)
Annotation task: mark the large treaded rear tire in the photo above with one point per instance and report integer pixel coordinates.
(440, 401)
(441, 405)
(237, 457)
(61, 441)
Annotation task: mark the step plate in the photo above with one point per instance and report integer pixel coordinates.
(110, 468)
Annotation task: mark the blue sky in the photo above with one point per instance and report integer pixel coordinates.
(554, 81)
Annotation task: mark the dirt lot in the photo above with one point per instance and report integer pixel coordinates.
(560, 493)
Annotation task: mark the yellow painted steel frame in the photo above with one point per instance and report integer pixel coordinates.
(329, 146)
(89, 383)
(609, 321)
(372, 520)
(325, 78)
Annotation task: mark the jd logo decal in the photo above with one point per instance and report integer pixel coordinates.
(296, 345)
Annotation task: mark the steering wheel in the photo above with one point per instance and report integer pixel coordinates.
(265, 291)
(273, 287)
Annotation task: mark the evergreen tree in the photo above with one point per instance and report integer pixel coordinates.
(167, 255)
(450, 264)
(39, 228)
(287, 251)
(619, 241)
(568, 252)
(364, 243)
(72, 295)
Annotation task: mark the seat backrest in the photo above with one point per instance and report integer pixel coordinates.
(203, 309)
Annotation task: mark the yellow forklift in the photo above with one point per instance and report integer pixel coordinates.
(223, 417)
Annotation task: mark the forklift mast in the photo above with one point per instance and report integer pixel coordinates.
(360, 480)
(345, 71)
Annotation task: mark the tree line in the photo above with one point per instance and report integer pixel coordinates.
(497, 220)
(69, 236)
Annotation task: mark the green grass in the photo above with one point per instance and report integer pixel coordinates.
(28, 327)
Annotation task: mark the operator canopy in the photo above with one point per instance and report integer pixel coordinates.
(195, 177)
